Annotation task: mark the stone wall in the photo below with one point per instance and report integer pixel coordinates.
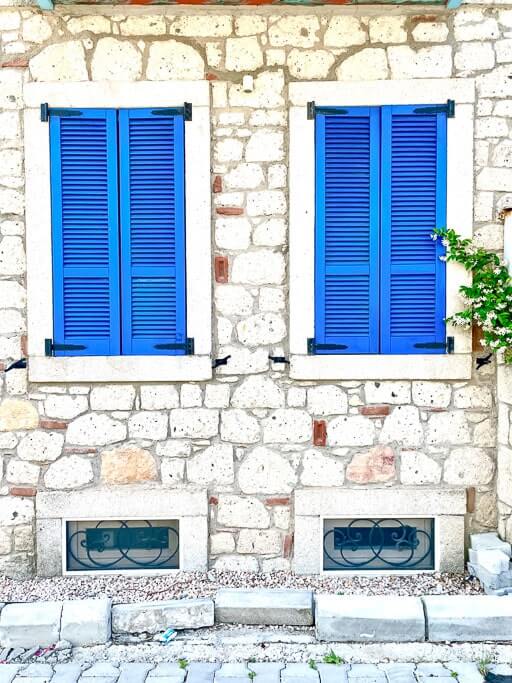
(248, 434)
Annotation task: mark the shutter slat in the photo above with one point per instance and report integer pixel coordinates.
(153, 231)
(413, 204)
(83, 162)
(347, 230)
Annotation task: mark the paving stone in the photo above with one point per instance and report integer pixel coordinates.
(266, 672)
(8, 672)
(399, 673)
(467, 672)
(366, 672)
(357, 618)
(98, 679)
(426, 669)
(101, 670)
(29, 624)
(501, 669)
(134, 672)
(66, 673)
(471, 618)
(86, 622)
(264, 606)
(201, 672)
(31, 679)
(154, 617)
(167, 670)
(232, 670)
(301, 672)
(332, 673)
(37, 671)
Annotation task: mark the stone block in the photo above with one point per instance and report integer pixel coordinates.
(86, 622)
(264, 606)
(468, 618)
(30, 624)
(356, 618)
(494, 561)
(153, 617)
(489, 541)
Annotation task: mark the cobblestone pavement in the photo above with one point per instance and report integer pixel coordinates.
(273, 672)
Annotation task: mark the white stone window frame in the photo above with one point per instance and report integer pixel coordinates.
(455, 366)
(188, 505)
(447, 507)
(118, 95)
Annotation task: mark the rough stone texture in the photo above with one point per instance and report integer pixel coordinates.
(86, 622)
(23, 624)
(41, 446)
(95, 429)
(467, 618)
(127, 465)
(260, 606)
(378, 465)
(173, 60)
(155, 617)
(69, 472)
(352, 618)
(265, 471)
(17, 414)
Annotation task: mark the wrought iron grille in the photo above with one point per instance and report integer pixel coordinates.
(122, 545)
(378, 544)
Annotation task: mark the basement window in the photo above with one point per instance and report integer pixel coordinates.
(384, 544)
(122, 545)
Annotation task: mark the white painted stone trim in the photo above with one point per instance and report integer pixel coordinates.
(189, 505)
(302, 217)
(312, 506)
(38, 230)
(507, 240)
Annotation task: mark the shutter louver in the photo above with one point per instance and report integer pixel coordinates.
(413, 204)
(347, 231)
(85, 246)
(153, 232)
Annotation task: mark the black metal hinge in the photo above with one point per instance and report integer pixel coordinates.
(449, 345)
(313, 347)
(50, 347)
(313, 110)
(185, 111)
(448, 108)
(279, 359)
(220, 361)
(187, 346)
(46, 112)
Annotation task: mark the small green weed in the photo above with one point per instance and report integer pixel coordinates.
(483, 665)
(332, 658)
(312, 664)
(252, 675)
(183, 663)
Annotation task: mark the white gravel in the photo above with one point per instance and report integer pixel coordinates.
(205, 584)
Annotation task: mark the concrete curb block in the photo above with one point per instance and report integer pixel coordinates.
(338, 618)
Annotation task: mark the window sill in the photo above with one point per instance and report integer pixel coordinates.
(380, 367)
(120, 369)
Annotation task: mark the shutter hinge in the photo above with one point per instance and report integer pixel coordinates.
(313, 347)
(46, 112)
(449, 345)
(185, 111)
(279, 359)
(448, 108)
(220, 361)
(50, 347)
(311, 110)
(187, 346)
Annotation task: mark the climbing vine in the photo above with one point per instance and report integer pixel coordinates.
(489, 297)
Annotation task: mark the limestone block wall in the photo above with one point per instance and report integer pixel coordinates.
(247, 435)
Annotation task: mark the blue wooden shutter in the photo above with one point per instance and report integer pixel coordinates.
(347, 231)
(83, 161)
(152, 231)
(413, 204)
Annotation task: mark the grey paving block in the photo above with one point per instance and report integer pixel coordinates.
(399, 673)
(255, 606)
(201, 672)
(66, 673)
(435, 669)
(31, 679)
(155, 617)
(86, 622)
(333, 673)
(98, 679)
(101, 670)
(231, 669)
(302, 672)
(467, 672)
(471, 618)
(8, 672)
(37, 671)
(30, 623)
(135, 672)
(358, 671)
(358, 618)
(169, 670)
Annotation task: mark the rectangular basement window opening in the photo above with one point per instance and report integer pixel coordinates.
(122, 545)
(385, 544)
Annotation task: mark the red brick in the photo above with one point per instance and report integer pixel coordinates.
(24, 346)
(374, 411)
(288, 545)
(221, 269)
(470, 499)
(23, 491)
(15, 63)
(211, 77)
(229, 211)
(217, 184)
(213, 500)
(45, 423)
(2, 366)
(80, 450)
(277, 501)
(319, 432)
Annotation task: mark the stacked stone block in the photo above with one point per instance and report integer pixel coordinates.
(247, 435)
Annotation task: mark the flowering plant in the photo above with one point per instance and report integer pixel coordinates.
(488, 298)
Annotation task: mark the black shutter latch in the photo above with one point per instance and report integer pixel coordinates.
(50, 347)
(187, 346)
(449, 345)
(313, 347)
(448, 108)
(220, 361)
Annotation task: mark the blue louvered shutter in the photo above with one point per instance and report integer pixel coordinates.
(347, 231)
(413, 204)
(84, 201)
(152, 231)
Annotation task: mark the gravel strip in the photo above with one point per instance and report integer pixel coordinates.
(205, 584)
